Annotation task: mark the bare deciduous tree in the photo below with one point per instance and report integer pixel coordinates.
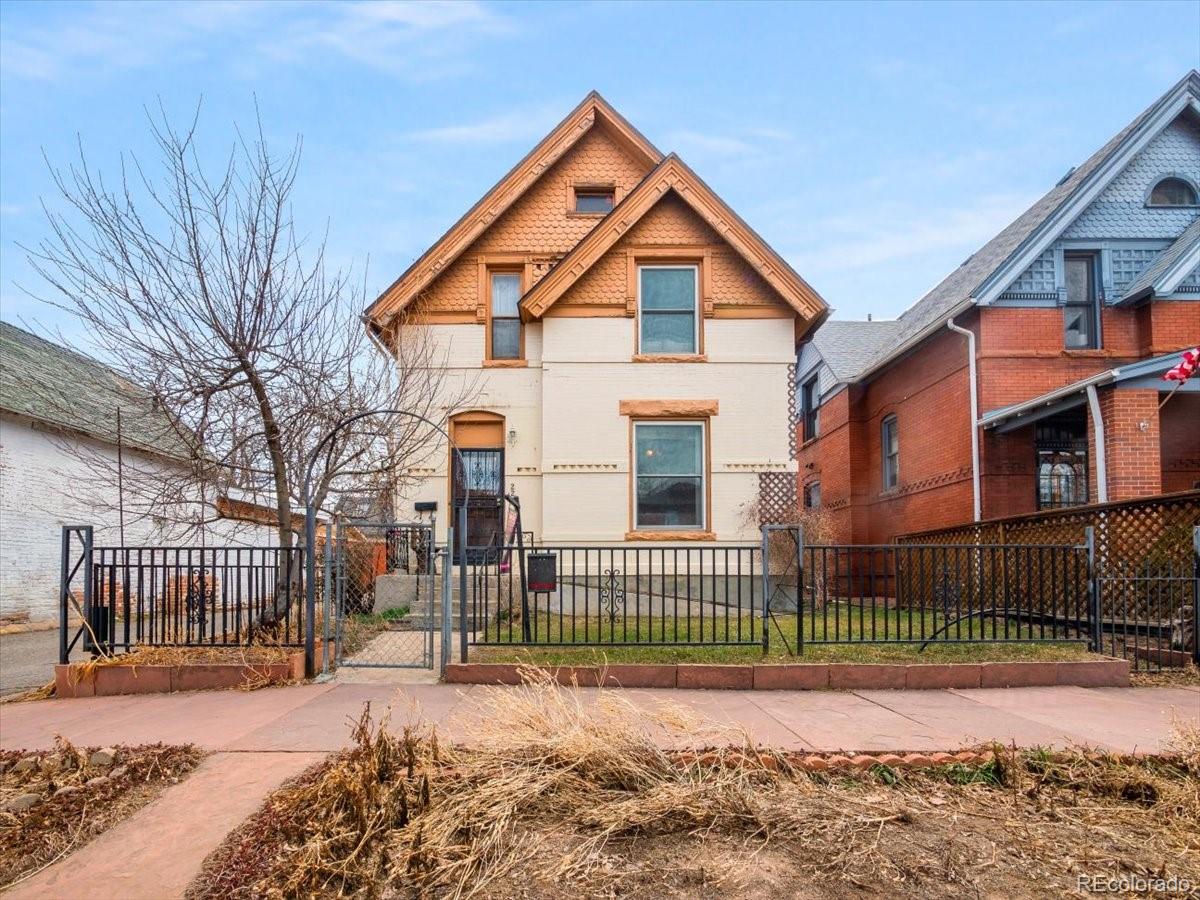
(200, 287)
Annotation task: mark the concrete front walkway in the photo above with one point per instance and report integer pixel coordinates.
(316, 718)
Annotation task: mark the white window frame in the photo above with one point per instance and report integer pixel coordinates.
(676, 423)
(641, 348)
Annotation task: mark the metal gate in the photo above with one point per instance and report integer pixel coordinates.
(384, 596)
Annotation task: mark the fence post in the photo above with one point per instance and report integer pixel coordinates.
(766, 590)
(800, 590)
(64, 596)
(1094, 640)
(462, 582)
(1196, 595)
(446, 609)
(326, 606)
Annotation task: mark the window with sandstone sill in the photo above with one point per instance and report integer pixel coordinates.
(668, 297)
(505, 325)
(669, 475)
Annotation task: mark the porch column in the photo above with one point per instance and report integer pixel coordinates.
(1132, 441)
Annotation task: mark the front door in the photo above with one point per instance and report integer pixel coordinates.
(482, 474)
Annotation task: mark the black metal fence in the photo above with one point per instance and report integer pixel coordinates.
(925, 594)
(803, 595)
(609, 596)
(121, 598)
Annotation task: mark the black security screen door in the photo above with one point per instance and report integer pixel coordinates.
(484, 474)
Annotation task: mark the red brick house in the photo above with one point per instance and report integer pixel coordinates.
(1059, 330)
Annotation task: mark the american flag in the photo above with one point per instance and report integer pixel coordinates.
(1186, 367)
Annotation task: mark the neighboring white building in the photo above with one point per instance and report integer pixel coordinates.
(633, 343)
(57, 433)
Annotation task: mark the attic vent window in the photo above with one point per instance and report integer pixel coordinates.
(1172, 192)
(594, 200)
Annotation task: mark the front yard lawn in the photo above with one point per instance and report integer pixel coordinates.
(882, 637)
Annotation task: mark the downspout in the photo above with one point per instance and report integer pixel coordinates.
(1098, 434)
(974, 383)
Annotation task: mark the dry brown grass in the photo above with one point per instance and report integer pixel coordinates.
(74, 806)
(562, 794)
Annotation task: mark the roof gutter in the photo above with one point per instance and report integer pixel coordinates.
(973, 382)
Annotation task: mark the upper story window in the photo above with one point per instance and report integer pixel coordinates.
(1081, 314)
(594, 199)
(1172, 192)
(667, 304)
(810, 404)
(890, 447)
(669, 475)
(504, 336)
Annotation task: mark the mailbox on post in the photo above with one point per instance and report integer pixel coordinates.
(541, 575)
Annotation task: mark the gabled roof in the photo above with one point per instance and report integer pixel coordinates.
(673, 175)
(848, 347)
(1168, 269)
(991, 268)
(43, 380)
(507, 191)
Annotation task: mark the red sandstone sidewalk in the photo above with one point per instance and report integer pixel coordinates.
(315, 718)
(263, 738)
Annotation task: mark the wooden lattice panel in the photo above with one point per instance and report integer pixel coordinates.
(793, 411)
(1144, 553)
(776, 498)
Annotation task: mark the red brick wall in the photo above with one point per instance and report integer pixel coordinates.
(1179, 425)
(927, 392)
(1168, 325)
(1131, 440)
(1020, 357)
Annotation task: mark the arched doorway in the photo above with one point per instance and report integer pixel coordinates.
(479, 437)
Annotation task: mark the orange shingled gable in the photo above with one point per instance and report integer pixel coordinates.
(673, 177)
(526, 222)
(592, 111)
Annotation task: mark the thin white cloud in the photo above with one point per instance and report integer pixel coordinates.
(501, 129)
(709, 144)
(891, 236)
(415, 40)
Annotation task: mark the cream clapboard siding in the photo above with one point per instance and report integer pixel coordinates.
(44, 486)
(568, 453)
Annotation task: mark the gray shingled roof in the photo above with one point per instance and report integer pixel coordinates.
(45, 381)
(848, 347)
(961, 284)
(1148, 279)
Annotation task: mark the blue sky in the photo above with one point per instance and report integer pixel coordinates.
(875, 146)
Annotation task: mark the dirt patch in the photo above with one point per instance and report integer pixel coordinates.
(54, 802)
(561, 796)
(1187, 677)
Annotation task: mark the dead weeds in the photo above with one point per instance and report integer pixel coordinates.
(566, 794)
(53, 802)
